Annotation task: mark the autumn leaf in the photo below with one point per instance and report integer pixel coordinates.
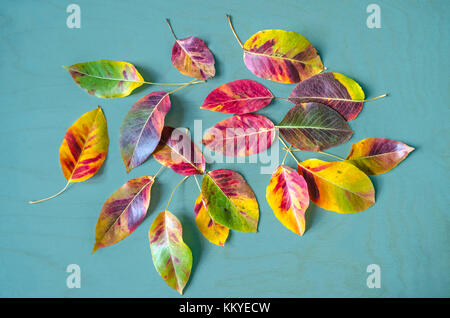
(123, 212)
(377, 155)
(171, 256)
(281, 56)
(337, 186)
(230, 200)
(240, 135)
(314, 127)
(83, 149)
(105, 78)
(192, 57)
(332, 89)
(178, 152)
(211, 230)
(287, 195)
(238, 97)
(141, 128)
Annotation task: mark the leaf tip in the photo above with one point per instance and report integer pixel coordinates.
(96, 247)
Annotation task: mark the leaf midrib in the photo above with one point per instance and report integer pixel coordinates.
(128, 205)
(257, 132)
(279, 57)
(145, 124)
(103, 78)
(186, 159)
(312, 127)
(329, 98)
(237, 100)
(84, 144)
(378, 155)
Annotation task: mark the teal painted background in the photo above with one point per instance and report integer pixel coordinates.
(406, 232)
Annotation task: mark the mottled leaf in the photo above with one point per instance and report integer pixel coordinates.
(377, 155)
(332, 89)
(178, 152)
(238, 97)
(213, 231)
(84, 147)
(230, 200)
(314, 127)
(171, 256)
(106, 79)
(141, 128)
(122, 213)
(240, 135)
(287, 195)
(337, 186)
(193, 58)
(281, 56)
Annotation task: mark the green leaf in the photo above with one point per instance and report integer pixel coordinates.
(171, 256)
(230, 200)
(314, 127)
(106, 79)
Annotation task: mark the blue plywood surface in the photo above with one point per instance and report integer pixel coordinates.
(405, 233)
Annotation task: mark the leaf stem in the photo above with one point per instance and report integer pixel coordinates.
(194, 81)
(370, 99)
(288, 149)
(171, 195)
(171, 30)
(321, 152)
(157, 172)
(285, 99)
(198, 184)
(53, 196)
(285, 155)
(234, 32)
(336, 99)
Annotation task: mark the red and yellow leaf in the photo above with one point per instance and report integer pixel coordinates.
(281, 56)
(211, 230)
(287, 195)
(178, 152)
(240, 135)
(337, 186)
(84, 147)
(238, 97)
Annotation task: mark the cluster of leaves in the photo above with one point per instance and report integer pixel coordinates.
(323, 105)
